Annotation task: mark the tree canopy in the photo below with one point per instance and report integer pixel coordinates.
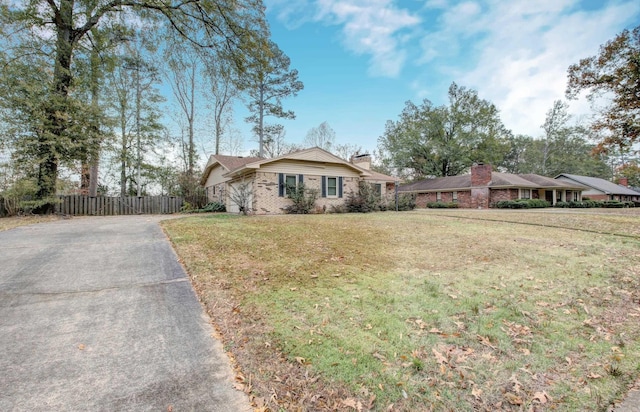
(612, 76)
(445, 140)
(42, 40)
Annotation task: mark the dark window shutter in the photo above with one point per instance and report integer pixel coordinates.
(300, 179)
(340, 186)
(324, 186)
(280, 185)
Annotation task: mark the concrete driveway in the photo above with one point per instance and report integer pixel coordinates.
(97, 314)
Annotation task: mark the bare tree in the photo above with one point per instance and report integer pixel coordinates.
(241, 195)
(322, 136)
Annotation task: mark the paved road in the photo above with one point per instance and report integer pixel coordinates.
(97, 314)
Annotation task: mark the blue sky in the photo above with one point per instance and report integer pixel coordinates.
(361, 60)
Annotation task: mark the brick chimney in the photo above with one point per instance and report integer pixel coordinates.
(623, 181)
(363, 161)
(480, 174)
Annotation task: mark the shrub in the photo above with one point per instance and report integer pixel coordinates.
(617, 204)
(366, 200)
(522, 204)
(563, 204)
(338, 209)
(406, 202)
(442, 205)
(304, 200)
(212, 207)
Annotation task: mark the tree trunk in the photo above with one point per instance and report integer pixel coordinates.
(261, 119)
(49, 141)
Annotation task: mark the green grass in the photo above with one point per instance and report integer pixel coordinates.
(421, 310)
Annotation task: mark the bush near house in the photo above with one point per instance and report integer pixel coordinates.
(522, 204)
(594, 203)
(366, 200)
(211, 207)
(406, 202)
(442, 205)
(304, 200)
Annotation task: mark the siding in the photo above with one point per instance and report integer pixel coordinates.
(304, 168)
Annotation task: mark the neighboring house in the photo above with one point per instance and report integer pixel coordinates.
(600, 189)
(269, 179)
(483, 188)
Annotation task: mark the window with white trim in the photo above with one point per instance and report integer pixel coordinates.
(332, 187)
(438, 196)
(455, 197)
(525, 193)
(290, 181)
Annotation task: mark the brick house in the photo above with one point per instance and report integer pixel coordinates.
(268, 179)
(483, 188)
(600, 189)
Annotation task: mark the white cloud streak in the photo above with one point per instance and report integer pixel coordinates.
(517, 53)
(376, 28)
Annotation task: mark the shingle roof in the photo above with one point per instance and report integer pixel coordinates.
(234, 162)
(440, 183)
(379, 176)
(601, 185)
(463, 182)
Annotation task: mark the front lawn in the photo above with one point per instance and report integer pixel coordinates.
(455, 310)
(7, 223)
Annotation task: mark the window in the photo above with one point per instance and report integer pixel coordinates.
(377, 189)
(438, 196)
(290, 181)
(286, 182)
(455, 197)
(332, 186)
(525, 193)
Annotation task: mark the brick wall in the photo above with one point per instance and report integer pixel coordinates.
(498, 195)
(266, 200)
(480, 174)
(464, 198)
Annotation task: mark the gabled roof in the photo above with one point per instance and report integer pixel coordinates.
(498, 180)
(314, 154)
(602, 185)
(379, 177)
(229, 163)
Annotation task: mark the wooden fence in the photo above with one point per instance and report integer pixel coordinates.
(77, 205)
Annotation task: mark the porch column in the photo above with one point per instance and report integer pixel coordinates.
(553, 198)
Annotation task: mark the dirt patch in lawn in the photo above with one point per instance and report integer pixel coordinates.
(418, 311)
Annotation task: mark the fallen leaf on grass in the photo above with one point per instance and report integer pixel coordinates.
(81, 346)
(593, 375)
(476, 392)
(485, 341)
(352, 403)
(541, 397)
(302, 361)
(513, 399)
(439, 356)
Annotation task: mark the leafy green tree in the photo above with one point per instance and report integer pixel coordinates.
(54, 29)
(267, 81)
(631, 171)
(562, 148)
(613, 75)
(445, 140)
(134, 102)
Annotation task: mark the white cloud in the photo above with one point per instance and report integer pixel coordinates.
(376, 28)
(516, 54)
